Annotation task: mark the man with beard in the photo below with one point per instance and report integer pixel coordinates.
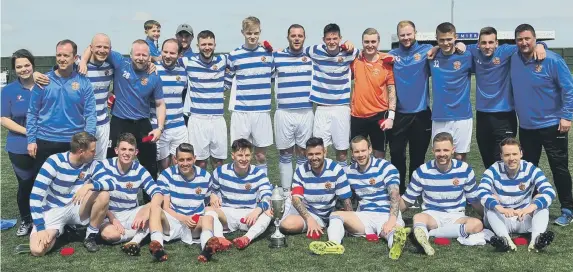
(174, 82)
(134, 88)
(543, 92)
(241, 195)
(316, 186)
(185, 186)
(375, 181)
(294, 116)
(207, 127)
(444, 184)
(507, 192)
(184, 36)
(374, 97)
(64, 107)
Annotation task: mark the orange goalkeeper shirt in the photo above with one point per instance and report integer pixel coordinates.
(370, 95)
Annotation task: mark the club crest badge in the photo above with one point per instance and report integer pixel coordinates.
(129, 185)
(178, 78)
(417, 57)
(375, 72)
(328, 186)
(75, 85)
(457, 65)
(456, 182)
(82, 175)
(263, 59)
(19, 97)
(214, 67)
(340, 59)
(372, 181)
(106, 72)
(144, 81)
(496, 61)
(522, 186)
(198, 191)
(248, 186)
(304, 59)
(538, 68)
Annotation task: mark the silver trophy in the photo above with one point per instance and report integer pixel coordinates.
(278, 239)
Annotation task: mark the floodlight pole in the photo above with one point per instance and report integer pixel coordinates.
(452, 12)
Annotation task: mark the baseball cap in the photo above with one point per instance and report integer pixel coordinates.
(184, 27)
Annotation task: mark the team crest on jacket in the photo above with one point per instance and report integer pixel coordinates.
(457, 65)
(144, 81)
(304, 59)
(328, 185)
(178, 78)
(129, 185)
(75, 85)
(248, 186)
(456, 182)
(417, 57)
(198, 191)
(538, 68)
(372, 181)
(496, 61)
(340, 59)
(263, 59)
(522, 186)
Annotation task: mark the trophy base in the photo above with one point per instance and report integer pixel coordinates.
(278, 242)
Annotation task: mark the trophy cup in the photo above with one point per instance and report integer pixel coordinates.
(278, 239)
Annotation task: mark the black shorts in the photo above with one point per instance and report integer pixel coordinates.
(369, 127)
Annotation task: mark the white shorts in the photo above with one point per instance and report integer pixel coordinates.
(445, 218)
(513, 225)
(103, 142)
(290, 210)
(234, 218)
(461, 131)
(332, 124)
(178, 230)
(125, 217)
(58, 218)
(253, 126)
(293, 127)
(169, 141)
(208, 135)
(374, 221)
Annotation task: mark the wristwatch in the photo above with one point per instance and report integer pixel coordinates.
(160, 129)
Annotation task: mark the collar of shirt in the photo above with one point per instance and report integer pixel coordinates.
(414, 46)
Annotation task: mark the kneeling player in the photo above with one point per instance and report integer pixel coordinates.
(241, 195)
(376, 182)
(316, 186)
(55, 199)
(506, 191)
(185, 187)
(126, 219)
(444, 184)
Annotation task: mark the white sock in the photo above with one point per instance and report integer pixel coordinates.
(217, 226)
(450, 231)
(259, 227)
(263, 167)
(335, 229)
(390, 238)
(343, 164)
(140, 235)
(157, 236)
(423, 227)
(205, 236)
(497, 223)
(127, 235)
(539, 223)
(286, 171)
(91, 230)
(300, 160)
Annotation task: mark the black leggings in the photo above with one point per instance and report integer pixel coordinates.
(23, 166)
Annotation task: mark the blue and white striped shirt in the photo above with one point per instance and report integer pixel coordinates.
(517, 192)
(371, 186)
(173, 80)
(445, 192)
(207, 84)
(252, 69)
(55, 185)
(186, 196)
(319, 192)
(249, 192)
(100, 77)
(127, 185)
(331, 75)
(293, 80)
